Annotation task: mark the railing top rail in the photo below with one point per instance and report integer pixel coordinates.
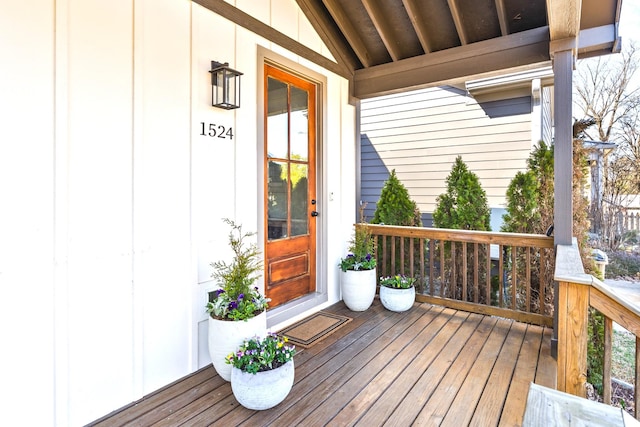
(473, 236)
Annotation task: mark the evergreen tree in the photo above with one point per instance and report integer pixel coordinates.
(395, 207)
(464, 206)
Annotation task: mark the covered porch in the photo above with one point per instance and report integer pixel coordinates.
(430, 366)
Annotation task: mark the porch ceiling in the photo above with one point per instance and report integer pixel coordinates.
(394, 45)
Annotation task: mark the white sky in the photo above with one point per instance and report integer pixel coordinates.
(630, 21)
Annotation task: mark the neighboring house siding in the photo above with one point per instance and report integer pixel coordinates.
(420, 133)
(547, 115)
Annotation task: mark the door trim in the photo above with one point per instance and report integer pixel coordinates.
(287, 311)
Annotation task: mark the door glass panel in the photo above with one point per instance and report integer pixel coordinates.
(299, 200)
(277, 200)
(299, 124)
(277, 119)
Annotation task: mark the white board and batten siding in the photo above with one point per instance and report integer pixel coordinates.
(112, 199)
(420, 133)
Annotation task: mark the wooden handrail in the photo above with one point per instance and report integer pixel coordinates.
(577, 292)
(455, 269)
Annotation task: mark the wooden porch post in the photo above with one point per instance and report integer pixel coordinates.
(573, 312)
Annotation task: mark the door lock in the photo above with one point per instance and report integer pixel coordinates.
(314, 213)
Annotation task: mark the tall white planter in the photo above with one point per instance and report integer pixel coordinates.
(225, 336)
(395, 299)
(262, 390)
(358, 288)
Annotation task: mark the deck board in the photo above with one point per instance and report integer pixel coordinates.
(428, 366)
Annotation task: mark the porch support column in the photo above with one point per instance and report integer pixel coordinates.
(563, 63)
(563, 56)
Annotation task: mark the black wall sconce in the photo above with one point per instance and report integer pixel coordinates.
(225, 86)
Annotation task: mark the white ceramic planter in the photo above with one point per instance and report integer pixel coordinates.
(358, 288)
(397, 299)
(263, 390)
(226, 336)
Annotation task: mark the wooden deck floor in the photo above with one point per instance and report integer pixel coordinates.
(428, 366)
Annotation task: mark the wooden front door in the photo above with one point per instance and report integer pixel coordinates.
(290, 186)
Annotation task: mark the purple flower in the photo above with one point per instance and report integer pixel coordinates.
(233, 305)
(218, 292)
(368, 257)
(240, 297)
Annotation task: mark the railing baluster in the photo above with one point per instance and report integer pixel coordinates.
(402, 270)
(606, 363)
(488, 274)
(453, 285)
(463, 297)
(476, 273)
(442, 280)
(514, 276)
(424, 285)
(541, 282)
(384, 256)
(392, 266)
(528, 278)
(500, 277)
(636, 395)
(432, 255)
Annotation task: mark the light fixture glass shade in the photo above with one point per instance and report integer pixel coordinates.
(225, 86)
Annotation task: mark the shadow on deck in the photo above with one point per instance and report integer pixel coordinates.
(428, 366)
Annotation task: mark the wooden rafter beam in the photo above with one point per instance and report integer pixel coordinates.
(325, 28)
(516, 51)
(247, 21)
(418, 26)
(502, 17)
(564, 18)
(348, 30)
(383, 27)
(457, 20)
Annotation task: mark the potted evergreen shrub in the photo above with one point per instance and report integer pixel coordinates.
(262, 371)
(358, 270)
(397, 293)
(236, 310)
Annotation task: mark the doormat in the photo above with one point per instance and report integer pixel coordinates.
(314, 328)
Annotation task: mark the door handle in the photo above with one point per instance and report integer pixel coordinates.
(314, 213)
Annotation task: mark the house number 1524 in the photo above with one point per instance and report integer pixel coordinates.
(213, 130)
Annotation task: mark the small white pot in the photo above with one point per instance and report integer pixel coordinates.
(397, 299)
(225, 336)
(358, 288)
(262, 390)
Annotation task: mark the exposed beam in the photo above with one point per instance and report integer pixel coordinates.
(417, 22)
(349, 31)
(502, 17)
(247, 21)
(564, 18)
(383, 27)
(457, 20)
(515, 51)
(326, 29)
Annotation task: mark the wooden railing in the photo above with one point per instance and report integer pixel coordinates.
(577, 292)
(503, 274)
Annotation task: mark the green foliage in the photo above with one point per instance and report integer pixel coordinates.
(399, 281)
(530, 195)
(259, 355)
(361, 248)
(395, 207)
(237, 299)
(464, 206)
(522, 204)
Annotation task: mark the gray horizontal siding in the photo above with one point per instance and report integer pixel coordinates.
(419, 134)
